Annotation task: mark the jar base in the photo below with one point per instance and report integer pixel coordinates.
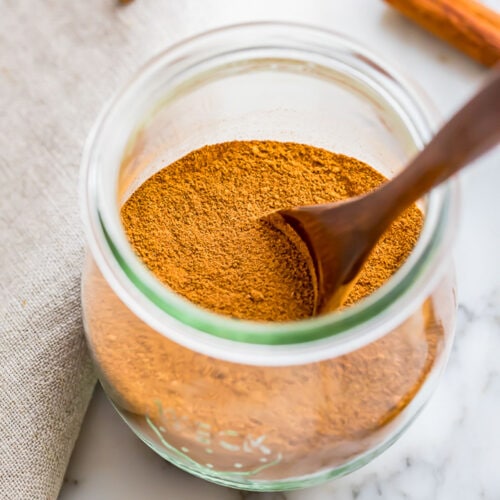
(242, 480)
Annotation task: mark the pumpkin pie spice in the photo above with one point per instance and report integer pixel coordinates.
(197, 225)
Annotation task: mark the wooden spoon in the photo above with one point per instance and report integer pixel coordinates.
(340, 236)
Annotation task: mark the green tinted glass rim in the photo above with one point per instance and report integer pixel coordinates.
(307, 330)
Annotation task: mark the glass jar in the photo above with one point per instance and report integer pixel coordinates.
(255, 405)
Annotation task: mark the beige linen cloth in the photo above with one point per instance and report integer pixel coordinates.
(46, 377)
(59, 62)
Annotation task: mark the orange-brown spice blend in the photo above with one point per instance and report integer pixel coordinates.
(196, 225)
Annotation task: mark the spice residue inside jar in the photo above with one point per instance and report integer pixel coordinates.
(197, 224)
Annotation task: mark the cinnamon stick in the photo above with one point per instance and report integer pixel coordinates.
(468, 25)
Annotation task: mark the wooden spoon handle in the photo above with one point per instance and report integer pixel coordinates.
(471, 132)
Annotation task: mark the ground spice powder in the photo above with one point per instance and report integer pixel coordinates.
(196, 225)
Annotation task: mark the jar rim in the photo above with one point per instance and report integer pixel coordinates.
(249, 341)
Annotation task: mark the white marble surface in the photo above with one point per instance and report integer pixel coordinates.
(453, 449)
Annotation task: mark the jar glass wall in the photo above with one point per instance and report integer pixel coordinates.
(250, 405)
